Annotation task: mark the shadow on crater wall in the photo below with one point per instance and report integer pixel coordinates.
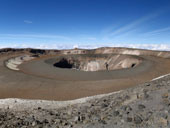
(63, 63)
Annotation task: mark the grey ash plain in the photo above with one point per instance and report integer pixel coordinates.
(146, 105)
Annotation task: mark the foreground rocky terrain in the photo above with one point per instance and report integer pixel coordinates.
(146, 105)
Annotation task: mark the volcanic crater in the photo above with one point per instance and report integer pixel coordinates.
(133, 85)
(76, 73)
(97, 62)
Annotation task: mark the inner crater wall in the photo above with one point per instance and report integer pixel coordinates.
(97, 62)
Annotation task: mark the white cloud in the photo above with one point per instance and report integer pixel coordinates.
(114, 31)
(163, 47)
(27, 21)
(75, 46)
(157, 31)
(133, 24)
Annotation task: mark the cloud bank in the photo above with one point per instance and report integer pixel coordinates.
(162, 47)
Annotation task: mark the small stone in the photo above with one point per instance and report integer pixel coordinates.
(76, 118)
(57, 121)
(45, 121)
(85, 122)
(104, 100)
(138, 120)
(33, 123)
(51, 113)
(24, 127)
(165, 95)
(104, 105)
(141, 106)
(65, 123)
(143, 95)
(122, 121)
(164, 115)
(116, 113)
(103, 122)
(146, 95)
(163, 122)
(166, 102)
(147, 84)
(129, 119)
(39, 108)
(128, 108)
(92, 104)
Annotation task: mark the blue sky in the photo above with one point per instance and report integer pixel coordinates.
(64, 23)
